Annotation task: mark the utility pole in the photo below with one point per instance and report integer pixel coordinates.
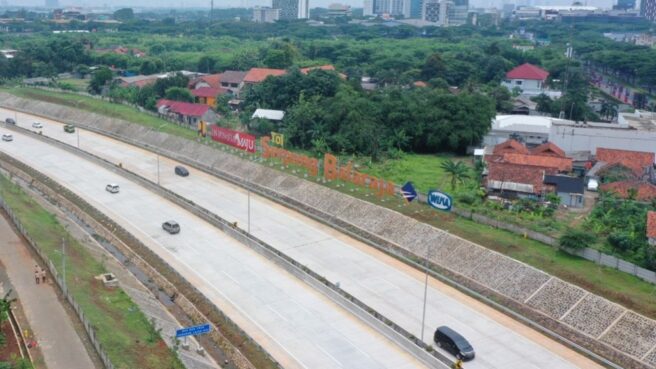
(158, 169)
(78, 137)
(429, 253)
(249, 211)
(64, 265)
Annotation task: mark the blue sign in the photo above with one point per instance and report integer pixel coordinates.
(439, 200)
(408, 191)
(192, 331)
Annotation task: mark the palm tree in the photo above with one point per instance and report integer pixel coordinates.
(457, 170)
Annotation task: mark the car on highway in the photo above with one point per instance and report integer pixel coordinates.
(10, 121)
(171, 226)
(112, 188)
(69, 128)
(454, 343)
(181, 171)
(7, 137)
(37, 125)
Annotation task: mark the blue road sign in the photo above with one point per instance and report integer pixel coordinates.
(192, 331)
(408, 191)
(439, 200)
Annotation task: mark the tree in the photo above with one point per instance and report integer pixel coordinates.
(434, 67)
(458, 171)
(150, 66)
(124, 15)
(100, 78)
(178, 94)
(206, 64)
(574, 239)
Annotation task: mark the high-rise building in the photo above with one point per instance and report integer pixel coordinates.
(368, 8)
(265, 14)
(625, 5)
(388, 7)
(648, 9)
(458, 13)
(437, 11)
(292, 9)
(52, 4)
(415, 8)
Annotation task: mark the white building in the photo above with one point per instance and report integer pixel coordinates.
(265, 14)
(292, 9)
(437, 11)
(530, 80)
(387, 8)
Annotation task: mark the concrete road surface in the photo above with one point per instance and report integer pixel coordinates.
(297, 325)
(381, 282)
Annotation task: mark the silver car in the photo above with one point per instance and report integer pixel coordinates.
(7, 138)
(37, 125)
(112, 188)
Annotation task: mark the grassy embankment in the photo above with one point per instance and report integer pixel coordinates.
(123, 330)
(617, 286)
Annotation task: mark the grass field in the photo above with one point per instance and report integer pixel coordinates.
(425, 173)
(79, 84)
(122, 329)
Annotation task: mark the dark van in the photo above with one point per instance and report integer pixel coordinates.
(181, 171)
(454, 343)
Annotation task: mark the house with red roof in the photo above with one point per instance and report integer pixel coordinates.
(188, 114)
(258, 75)
(531, 80)
(515, 171)
(640, 190)
(208, 95)
(651, 227)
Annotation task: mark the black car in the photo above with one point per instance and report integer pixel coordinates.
(181, 171)
(10, 121)
(453, 342)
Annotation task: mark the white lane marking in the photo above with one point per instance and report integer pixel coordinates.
(230, 277)
(330, 356)
(277, 313)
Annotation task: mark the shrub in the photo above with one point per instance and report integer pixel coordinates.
(575, 239)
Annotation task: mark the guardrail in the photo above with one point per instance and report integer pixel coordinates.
(349, 302)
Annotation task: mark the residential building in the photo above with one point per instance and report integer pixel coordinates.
(640, 190)
(273, 115)
(337, 10)
(640, 163)
(188, 114)
(530, 130)
(570, 190)
(208, 95)
(651, 227)
(368, 8)
(137, 81)
(292, 9)
(458, 13)
(8, 53)
(437, 11)
(648, 9)
(209, 80)
(513, 170)
(258, 75)
(265, 14)
(232, 81)
(531, 80)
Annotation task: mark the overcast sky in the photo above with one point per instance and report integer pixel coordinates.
(248, 3)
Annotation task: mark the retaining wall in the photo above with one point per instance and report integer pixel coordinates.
(556, 307)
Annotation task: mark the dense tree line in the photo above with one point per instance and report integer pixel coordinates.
(325, 113)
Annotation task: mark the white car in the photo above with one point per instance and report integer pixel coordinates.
(112, 188)
(7, 138)
(37, 125)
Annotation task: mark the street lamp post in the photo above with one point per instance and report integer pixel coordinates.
(158, 169)
(249, 211)
(429, 253)
(78, 137)
(64, 265)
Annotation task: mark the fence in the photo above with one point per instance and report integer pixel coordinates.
(91, 332)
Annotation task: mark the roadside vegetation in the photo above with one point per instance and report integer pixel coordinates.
(122, 329)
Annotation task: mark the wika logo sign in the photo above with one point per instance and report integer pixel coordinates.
(236, 139)
(439, 200)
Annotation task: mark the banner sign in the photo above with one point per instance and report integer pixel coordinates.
(237, 139)
(288, 157)
(408, 192)
(346, 173)
(439, 200)
(193, 331)
(278, 139)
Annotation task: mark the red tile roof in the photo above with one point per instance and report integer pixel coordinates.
(651, 224)
(561, 164)
(257, 75)
(420, 84)
(548, 149)
(528, 71)
(634, 160)
(524, 174)
(645, 190)
(233, 76)
(208, 92)
(213, 80)
(510, 146)
(322, 67)
(184, 108)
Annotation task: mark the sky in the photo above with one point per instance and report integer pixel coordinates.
(249, 3)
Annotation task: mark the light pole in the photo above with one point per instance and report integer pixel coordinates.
(64, 264)
(429, 253)
(158, 169)
(78, 137)
(249, 211)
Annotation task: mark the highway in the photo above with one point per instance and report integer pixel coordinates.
(300, 327)
(383, 283)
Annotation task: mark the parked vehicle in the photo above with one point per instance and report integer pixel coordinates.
(69, 128)
(171, 226)
(10, 121)
(181, 171)
(37, 125)
(7, 138)
(454, 343)
(112, 188)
